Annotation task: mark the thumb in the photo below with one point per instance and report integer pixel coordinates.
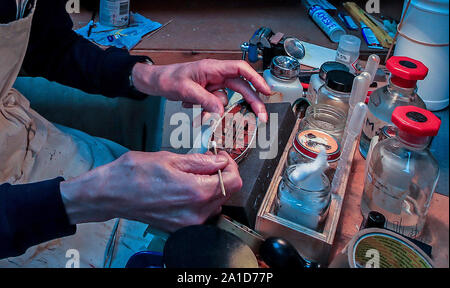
(201, 163)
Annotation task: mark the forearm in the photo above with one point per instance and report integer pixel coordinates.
(84, 197)
(31, 214)
(146, 78)
(57, 53)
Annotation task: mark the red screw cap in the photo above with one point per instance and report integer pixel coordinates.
(416, 121)
(406, 71)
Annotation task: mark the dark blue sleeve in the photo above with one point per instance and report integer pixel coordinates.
(57, 53)
(31, 214)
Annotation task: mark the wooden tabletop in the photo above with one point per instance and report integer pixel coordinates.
(201, 25)
(202, 29)
(435, 233)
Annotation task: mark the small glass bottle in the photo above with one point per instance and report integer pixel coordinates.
(348, 51)
(336, 91)
(402, 173)
(282, 78)
(401, 91)
(325, 118)
(302, 206)
(306, 148)
(317, 80)
(387, 132)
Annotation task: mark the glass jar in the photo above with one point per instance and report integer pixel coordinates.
(387, 132)
(336, 91)
(402, 173)
(401, 91)
(325, 118)
(305, 149)
(317, 80)
(300, 205)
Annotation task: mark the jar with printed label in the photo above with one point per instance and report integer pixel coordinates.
(348, 51)
(306, 147)
(402, 173)
(400, 91)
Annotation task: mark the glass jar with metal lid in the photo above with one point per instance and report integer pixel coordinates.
(306, 147)
(336, 91)
(317, 80)
(282, 78)
(325, 118)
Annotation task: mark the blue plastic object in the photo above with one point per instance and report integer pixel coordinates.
(252, 53)
(126, 37)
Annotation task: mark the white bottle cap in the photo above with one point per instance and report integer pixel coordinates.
(349, 43)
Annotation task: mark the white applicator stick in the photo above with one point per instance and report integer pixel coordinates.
(222, 187)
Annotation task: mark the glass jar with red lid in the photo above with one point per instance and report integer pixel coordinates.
(402, 173)
(400, 91)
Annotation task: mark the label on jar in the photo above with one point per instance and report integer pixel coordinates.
(309, 142)
(384, 251)
(345, 59)
(115, 12)
(342, 57)
(372, 125)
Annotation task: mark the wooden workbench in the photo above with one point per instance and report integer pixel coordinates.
(210, 29)
(205, 29)
(435, 233)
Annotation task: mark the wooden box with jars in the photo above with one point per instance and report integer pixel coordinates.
(309, 220)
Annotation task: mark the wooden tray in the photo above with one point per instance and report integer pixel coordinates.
(314, 246)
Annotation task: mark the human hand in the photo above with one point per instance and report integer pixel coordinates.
(165, 190)
(196, 83)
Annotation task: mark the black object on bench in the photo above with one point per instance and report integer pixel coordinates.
(256, 173)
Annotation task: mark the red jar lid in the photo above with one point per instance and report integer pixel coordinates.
(308, 143)
(406, 71)
(416, 121)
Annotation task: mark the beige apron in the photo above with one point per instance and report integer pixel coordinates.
(33, 149)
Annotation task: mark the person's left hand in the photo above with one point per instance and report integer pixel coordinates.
(198, 83)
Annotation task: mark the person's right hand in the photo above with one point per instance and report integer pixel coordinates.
(166, 190)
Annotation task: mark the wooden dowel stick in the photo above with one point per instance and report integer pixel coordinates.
(222, 187)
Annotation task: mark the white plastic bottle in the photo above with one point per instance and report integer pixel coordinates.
(348, 51)
(282, 77)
